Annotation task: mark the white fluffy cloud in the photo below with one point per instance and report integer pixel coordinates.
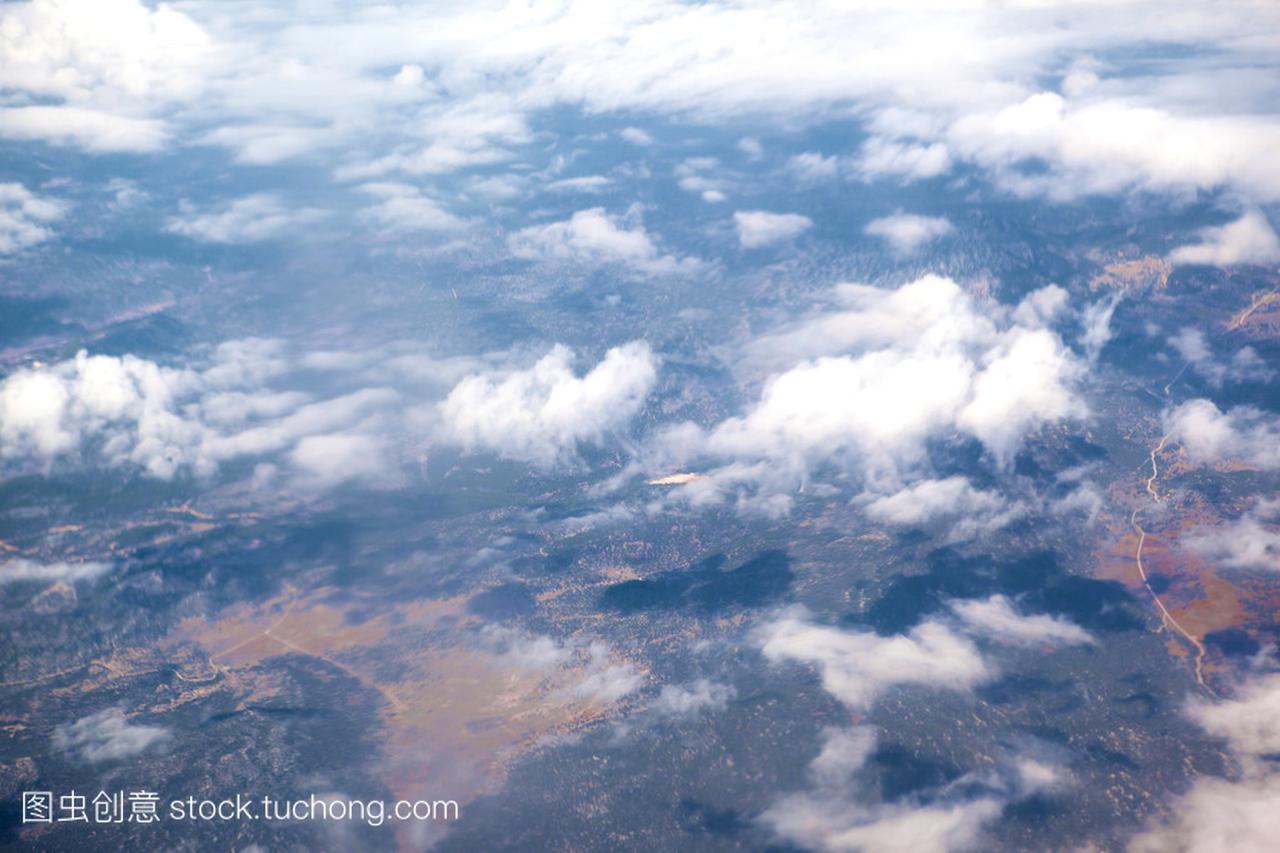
(838, 812)
(594, 237)
(541, 414)
(25, 217)
(1236, 813)
(107, 736)
(953, 500)
(907, 232)
(856, 667)
(868, 384)
(909, 160)
(100, 71)
(16, 571)
(90, 130)
(677, 700)
(835, 814)
(995, 617)
(757, 228)
(1210, 436)
(1248, 240)
(132, 412)
(405, 208)
(1251, 542)
(249, 219)
(1246, 365)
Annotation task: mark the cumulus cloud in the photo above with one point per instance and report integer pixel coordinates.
(677, 700)
(996, 617)
(99, 71)
(907, 232)
(107, 736)
(594, 237)
(163, 421)
(1238, 812)
(839, 811)
(606, 680)
(595, 672)
(91, 130)
(699, 175)
(328, 460)
(1250, 542)
(25, 217)
(856, 667)
(757, 228)
(952, 500)
(1245, 366)
(405, 208)
(519, 648)
(873, 381)
(16, 571)
(1248, 240)
(883, 157)
(636, 136)
(1210, 436)
(541, 414)
(1110, 145)
(810, 167)
(249, 219)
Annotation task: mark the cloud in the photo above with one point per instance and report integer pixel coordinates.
(90, 130)
(1096, 319)
(133, 413)
(1245, 366)
(907, 232)
(20, 570)
(840, 810)
(698, 175)
(856, 667)
(810, 167)
(636, 136)
(24, 217)
(681, 701)
(1235, 813)
(882, 157)
(751, 148)
(441, 88)
(582, 184)
(597, 674)
(404, 208)
(1249, 721)
(969, 511)
(866, 386)
(524, 649)
(996, 617)
(249, 219)
(1248, 240)
(1218, 815)
(1251, 542)
(1210, 436)
(758, 228)
(98, 71)
(107, 736)
(594, 237)
(1094, 146)
(328, 460)
(541, 414)
(606, 681)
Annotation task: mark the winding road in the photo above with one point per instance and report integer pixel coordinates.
(1166, 617)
